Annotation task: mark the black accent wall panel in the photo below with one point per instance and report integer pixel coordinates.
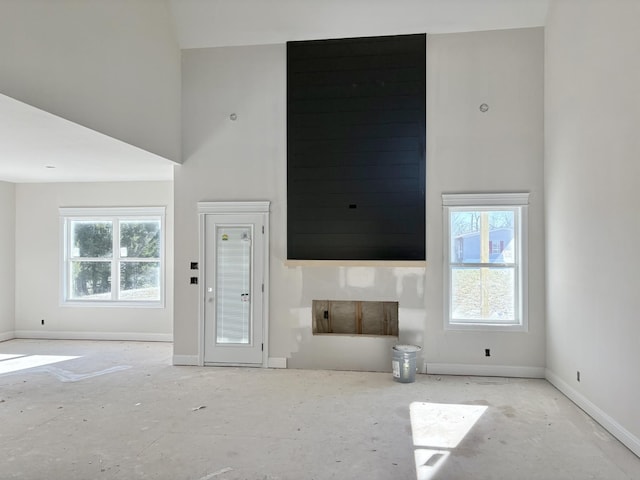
(356, 127)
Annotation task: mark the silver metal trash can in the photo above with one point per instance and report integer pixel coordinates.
(403, 363)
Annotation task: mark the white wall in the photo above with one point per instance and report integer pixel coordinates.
(467, 152)
(7, 260)
(113, 66)
(38, 253)
(227, 160)
(592, 113)
(497, 151)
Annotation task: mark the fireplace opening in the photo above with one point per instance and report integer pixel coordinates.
(355, 317)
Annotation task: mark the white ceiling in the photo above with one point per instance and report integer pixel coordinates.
(216, 23)
(32, 139)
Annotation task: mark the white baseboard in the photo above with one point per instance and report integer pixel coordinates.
(4, 336)
(190, 360)
(277, 362)
(124, 336)
(625, 436)
(194, 360)
(484, 370)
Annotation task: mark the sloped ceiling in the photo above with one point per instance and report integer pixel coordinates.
(106, 75)
(107, 72)
(37, 146)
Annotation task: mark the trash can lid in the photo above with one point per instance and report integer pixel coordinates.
(407, 348)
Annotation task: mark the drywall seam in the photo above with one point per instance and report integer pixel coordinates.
(625, 436)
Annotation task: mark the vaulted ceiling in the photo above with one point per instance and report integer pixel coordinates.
(92, 89)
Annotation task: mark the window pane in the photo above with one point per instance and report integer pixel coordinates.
(483, 294)
(140, 281)
(91, 280)
(482, 236)
(91, 239)
(140, 238)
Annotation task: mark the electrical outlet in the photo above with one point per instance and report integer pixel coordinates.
(42, 322)
(487, 352)
(578, 375)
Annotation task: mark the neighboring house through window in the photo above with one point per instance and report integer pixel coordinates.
(113, 256)
(485, 261)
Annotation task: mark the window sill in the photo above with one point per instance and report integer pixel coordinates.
(94, 304)
(486, 327)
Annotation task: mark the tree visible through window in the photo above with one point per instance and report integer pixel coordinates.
(485, 255)
(110, 257)
(139, 260)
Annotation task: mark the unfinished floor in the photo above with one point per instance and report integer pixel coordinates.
(121, 411)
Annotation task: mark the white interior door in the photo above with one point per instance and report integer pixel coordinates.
(234, 289)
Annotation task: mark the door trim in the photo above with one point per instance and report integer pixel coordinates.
(232, 208)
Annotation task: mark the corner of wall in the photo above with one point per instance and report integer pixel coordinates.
(625, 436)
(7, 260)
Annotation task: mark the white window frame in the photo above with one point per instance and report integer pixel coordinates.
(517, 202)
(116, 215)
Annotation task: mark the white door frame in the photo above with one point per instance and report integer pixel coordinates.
(232, 208)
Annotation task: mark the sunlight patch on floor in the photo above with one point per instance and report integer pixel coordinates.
(7, 356)
(439, 428)
(428, 462)
(31, 361)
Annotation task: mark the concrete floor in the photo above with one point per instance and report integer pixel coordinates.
(121, 411)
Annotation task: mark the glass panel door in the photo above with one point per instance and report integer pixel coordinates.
(234, 260)
(233, 285)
